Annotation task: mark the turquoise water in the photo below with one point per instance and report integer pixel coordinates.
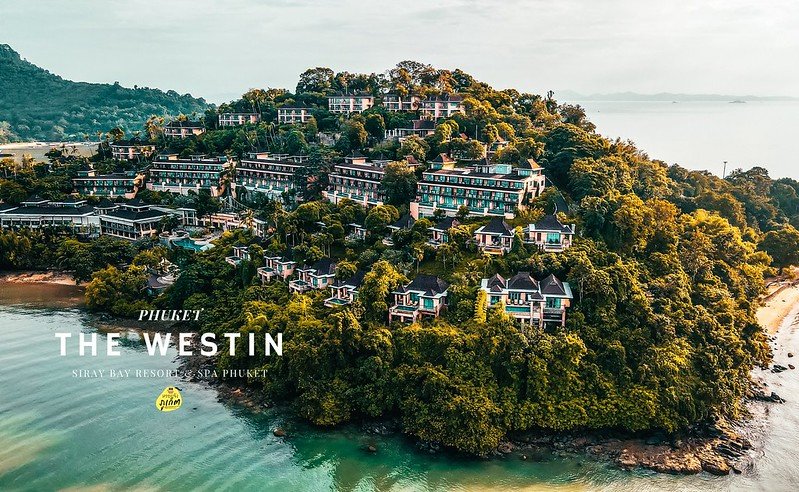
(58, 431)
(190, 244)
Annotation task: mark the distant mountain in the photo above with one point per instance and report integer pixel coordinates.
(38, 105)
(567, 95)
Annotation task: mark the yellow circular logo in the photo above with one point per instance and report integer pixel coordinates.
(169, 400)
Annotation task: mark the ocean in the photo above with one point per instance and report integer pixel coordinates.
(58, 431)
(702, 135)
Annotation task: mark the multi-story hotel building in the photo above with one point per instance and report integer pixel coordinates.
(238, 119)
(183, 129)
(170, 173)
(124, 184)
(425, 296)
(527, 300)
(443, 106)
(357, 180)
(484, 188)
(293, 114)
(420, 128)
(132, 220)
(131, 150)
(396, 102)
(272, 174)
(36, 212)
(345, 104)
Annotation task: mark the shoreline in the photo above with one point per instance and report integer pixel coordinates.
(719, 448)
(34, 277)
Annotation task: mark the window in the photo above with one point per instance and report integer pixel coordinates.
(428, 303)
(553, 302)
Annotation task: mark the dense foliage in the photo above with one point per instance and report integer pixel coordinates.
(667, 272)
(38, 105)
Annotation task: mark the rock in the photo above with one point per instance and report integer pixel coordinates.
(790, 354)
(778, 368)
(715, 465)
(523, 457)
(279, 432)
(505, 448)
(736, 470)
(371, 448)
(683, 464)
(791, 367)
(656, 439)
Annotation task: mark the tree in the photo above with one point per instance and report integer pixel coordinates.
(480, 307)
(319, 79)
(379, 218)
(399, 183)
(375, 126)
(377, 285)
(782, 245)
(414, 146)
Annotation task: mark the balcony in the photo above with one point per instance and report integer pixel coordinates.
(334, 302)
(299, 286)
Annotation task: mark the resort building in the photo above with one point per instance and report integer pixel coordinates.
(344, 292)
(132, 220)
(419, 128)
(276, 267)
(124, 184)
(344, 104)
(36, 212)
(273, 174)
(425, 296)
(183, 129)
(443, 106)
(238, 119)
(396, 102)
(496, 237)
(356, 180)
(174, 175)
(132, 150)
(320, 275)
(484, 188)
(293, 114)
(549, 234)
(240, 253)
(439, 233)
(358, 232)
(527, 300)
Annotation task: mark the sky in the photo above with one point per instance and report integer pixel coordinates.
(218, 49)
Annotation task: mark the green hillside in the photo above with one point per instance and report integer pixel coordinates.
(38, 105)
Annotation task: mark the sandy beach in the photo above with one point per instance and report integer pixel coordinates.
(58, 278)
(782, 296)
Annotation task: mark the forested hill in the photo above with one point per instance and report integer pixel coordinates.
(38, 105)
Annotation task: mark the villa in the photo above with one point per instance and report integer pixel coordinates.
(238, 119)
(439, 233)
(134, 149)
(485, 188)
(132, 220)
(425, 296)
(36, 212)
(549, 234)
(276, 266)
(183, 129)
(293, 114)
(358, 232)
(419, 128)
(174, 175)
(240, 253)
(317, 276)
(529, 301)
(356, 180)
(344, 292)
(271, 174)
(496, 237)
(345, 104)
(395, 102)
(443, 106)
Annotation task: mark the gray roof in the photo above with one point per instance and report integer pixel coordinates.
(429, 284)
(522, 281)
(446, 224)
(134, 215)
(355, 281)
(551, 223)
(36, 210)
(552, 286)
(497, 225)
(404, 222)
(325, 266)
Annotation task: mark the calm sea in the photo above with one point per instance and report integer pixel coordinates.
(702, 135)
(62, 432)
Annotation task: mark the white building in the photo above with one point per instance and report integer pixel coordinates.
(238, 119)
(293, 114)
(183, 129)
(528, 300)
(344, 104)
(132, 150)
(396, 102)
(443, 106)
(36, 212)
